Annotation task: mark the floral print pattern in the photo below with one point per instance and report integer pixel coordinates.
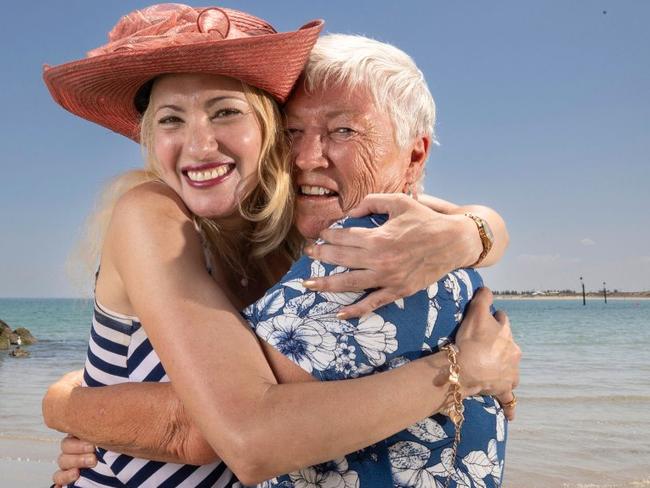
(302, 325)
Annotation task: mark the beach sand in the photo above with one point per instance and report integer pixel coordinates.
(27, 463)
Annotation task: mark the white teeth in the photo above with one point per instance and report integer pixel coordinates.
(209, 174)
(314, 190)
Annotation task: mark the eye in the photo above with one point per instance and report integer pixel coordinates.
(343, 132)
(292, 133)
(226, 112)
(170, 119)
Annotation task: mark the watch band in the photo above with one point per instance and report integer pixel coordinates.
(485, 233)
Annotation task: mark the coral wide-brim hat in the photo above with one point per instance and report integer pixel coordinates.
(175, 38)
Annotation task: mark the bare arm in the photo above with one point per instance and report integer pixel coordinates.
(420, 243)
(258, 427)
(129, 417)
(495, 221)
(145, 420)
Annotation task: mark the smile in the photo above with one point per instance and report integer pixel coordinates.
(207, 175)
(316, 191)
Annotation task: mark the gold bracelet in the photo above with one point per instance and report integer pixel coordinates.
(456, 410)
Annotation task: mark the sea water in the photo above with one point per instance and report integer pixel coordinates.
(583, 418)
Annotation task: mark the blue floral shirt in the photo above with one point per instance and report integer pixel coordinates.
(302, 325)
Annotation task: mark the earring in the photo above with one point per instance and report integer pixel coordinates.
(409, 191)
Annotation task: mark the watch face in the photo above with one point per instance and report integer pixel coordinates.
(488, 231)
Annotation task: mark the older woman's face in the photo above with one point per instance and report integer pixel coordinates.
(343, 148)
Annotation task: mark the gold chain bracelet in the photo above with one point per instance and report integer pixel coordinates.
(456, 410)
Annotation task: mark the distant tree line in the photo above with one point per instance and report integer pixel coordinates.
(545, 292)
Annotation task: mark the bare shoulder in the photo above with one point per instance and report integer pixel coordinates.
(151, 215)
(151, 200)
(151, 205)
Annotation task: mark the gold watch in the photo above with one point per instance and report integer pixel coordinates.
(487, 238)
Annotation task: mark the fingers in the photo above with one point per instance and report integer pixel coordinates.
(350, 236)
(73, 461)
(502, 318)
(351, 281)
(350, 257)
(75, 454)
(73, 445)
(381, 203)
(370, 303)
(509, 411)
(481, 302)
(483, 297)
(62, 478)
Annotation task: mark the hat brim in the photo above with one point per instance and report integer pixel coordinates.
(102, 89)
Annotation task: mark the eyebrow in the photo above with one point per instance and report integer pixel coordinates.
(331, 114)
(173, 107)
(336, 113)
(208, 103)
(214, 100)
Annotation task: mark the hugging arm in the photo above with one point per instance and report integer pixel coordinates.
(258, 427)
(132, 413)
(421, 242)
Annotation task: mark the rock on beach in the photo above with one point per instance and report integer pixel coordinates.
(26, 336)
(19, 352)
(5, 335)
(17, 337)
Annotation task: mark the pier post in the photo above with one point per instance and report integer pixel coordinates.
(584, 298)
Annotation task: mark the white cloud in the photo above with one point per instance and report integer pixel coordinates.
(645, 259)
(587, 242)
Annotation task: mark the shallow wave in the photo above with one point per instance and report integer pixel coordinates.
(616, 399)
(18, 437)
(629, 484)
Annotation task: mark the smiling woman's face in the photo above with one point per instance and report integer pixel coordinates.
(343, 148)
(206, 140)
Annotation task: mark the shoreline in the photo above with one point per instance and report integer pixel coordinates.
(565, 297)
(30, 462)
(26, 461)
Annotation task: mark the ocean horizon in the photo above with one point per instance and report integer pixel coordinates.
(583, 417)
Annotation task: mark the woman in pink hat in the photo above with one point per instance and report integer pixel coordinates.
(201, 233)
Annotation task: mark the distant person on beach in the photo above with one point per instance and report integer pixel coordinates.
(210, 231)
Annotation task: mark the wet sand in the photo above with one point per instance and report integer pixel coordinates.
(27, 463)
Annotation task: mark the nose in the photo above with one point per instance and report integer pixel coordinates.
(201, 141)
(309, 151)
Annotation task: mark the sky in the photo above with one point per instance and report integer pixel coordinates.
(543, 115)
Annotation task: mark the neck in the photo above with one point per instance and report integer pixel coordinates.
(232, 223)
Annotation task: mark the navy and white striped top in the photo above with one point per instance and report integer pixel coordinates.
(119, 352)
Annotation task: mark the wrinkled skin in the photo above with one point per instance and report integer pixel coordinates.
(343, 143)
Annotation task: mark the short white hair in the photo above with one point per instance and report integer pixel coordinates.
(391, 76)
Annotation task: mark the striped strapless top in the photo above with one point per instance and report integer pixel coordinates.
(119, 352)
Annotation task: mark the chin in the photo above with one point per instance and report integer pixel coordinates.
(209, 210)
(311, 227)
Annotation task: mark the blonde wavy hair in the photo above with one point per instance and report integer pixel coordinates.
(266, 204)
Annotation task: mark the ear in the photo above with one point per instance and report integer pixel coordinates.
(419, 154)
